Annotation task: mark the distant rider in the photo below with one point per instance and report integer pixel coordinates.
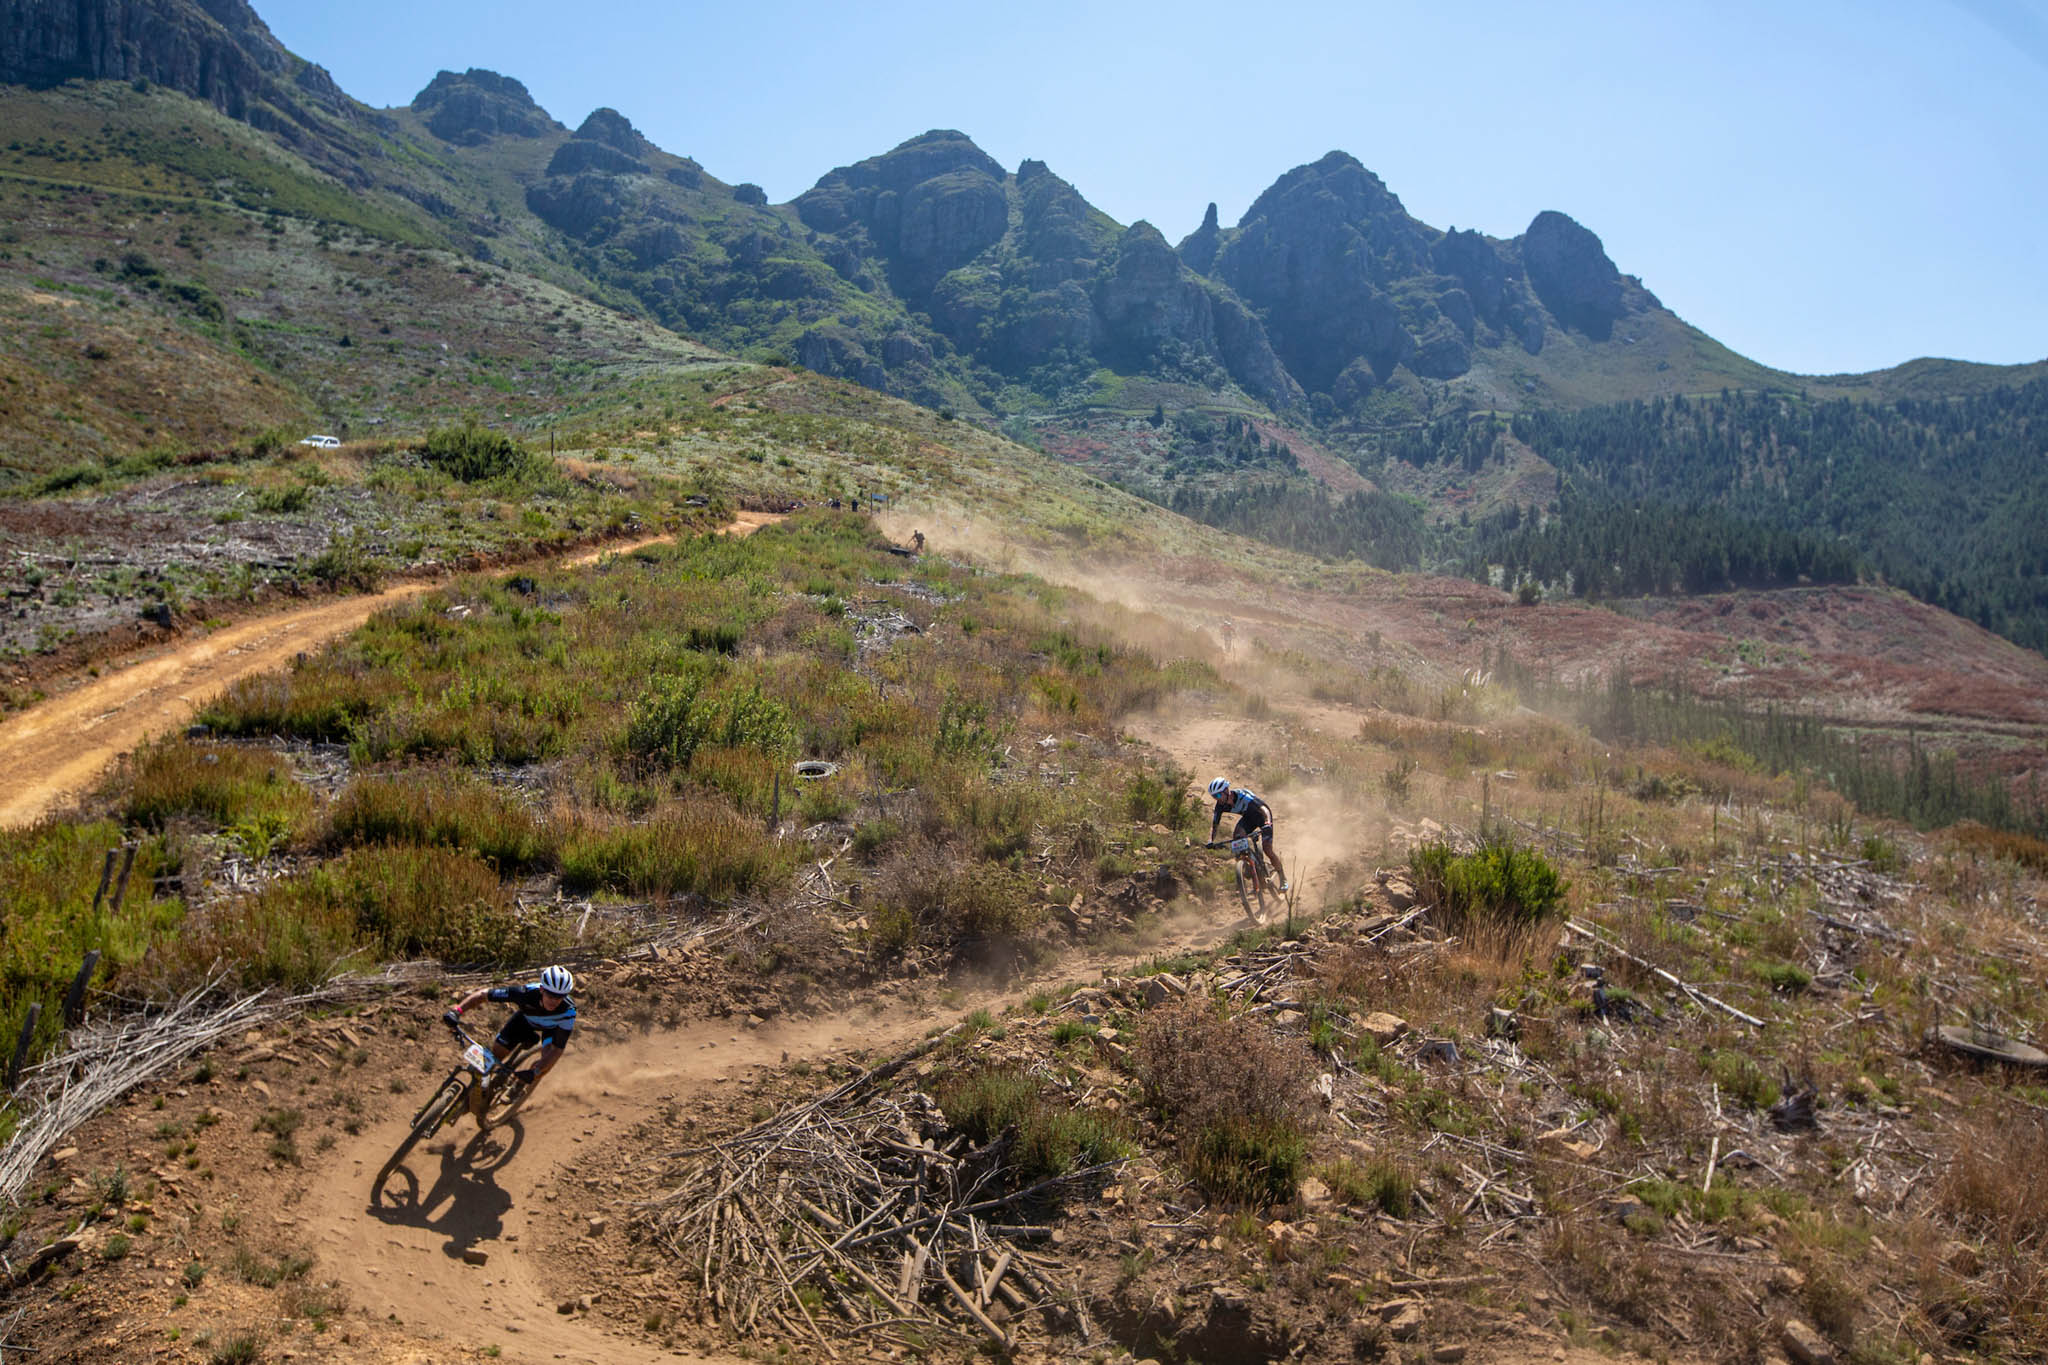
(545, 1015)
(1254, 818)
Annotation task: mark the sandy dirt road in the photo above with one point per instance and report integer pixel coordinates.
(52, 753)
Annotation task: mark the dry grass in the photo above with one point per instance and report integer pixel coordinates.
(1237, 1094)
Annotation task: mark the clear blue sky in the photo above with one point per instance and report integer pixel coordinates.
(1824, 186)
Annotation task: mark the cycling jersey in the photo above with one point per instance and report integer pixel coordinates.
(1244, 803)
(535, 1022)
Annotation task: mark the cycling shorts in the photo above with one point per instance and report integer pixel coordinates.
(518, 1033)
(1252, 822)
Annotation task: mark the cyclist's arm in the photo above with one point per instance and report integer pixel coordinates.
(1215, 819)
(476, 996)
(552, 1043)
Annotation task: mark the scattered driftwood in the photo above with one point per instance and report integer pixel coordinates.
(854, 1207)
(1691, 991)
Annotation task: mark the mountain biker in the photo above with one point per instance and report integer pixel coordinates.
(1254, 818)
(544, 1014)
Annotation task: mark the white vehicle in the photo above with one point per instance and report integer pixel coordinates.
(321, 442)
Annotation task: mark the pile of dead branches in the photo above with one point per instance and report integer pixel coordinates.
(856, 1209)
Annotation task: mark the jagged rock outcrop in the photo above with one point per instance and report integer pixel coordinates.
(614, 130)
(478, 105)
(1316, 254)
(1570, 272)
(1023, 276)
(1470, 258)
(1198, 248)
(213, 50)
(607, 143)
(927, 206)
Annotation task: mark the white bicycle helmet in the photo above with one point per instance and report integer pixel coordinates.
(557, 981)
(1218, 786)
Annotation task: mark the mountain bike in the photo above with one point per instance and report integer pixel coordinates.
(1250, 864)
(503, 1091)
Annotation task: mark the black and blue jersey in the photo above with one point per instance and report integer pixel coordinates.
(1251, 812)
(535, 1022)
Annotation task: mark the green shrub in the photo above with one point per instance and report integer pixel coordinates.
(241, 1349)
(1160, 799)
(226, 784)
(1788, 978)
(265, 1273)
(1247, 1160)
(347, 564)
(677, 715)
(1741, 1079)
(49, 874)
(1050, 1138)
(1501, 887)
(474, 453)
(386, 902)
(295, 498)
(317, 703)
(441, 807)
(1374, 1181)
(690, 848)
(928, 896)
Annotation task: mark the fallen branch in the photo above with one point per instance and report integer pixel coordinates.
(1692, 991)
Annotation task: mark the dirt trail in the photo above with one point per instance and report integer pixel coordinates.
(402, 1258)
(51, 754)
(515, 1196)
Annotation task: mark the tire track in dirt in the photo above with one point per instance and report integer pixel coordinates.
(52, 753)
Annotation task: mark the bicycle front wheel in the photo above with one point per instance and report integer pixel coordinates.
(511, 1089)
(1245, 887)
(432, 1115)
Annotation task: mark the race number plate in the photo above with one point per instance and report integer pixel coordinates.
(1240, 845)
(480, 1061)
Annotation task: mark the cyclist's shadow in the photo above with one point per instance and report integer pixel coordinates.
(464, 1203)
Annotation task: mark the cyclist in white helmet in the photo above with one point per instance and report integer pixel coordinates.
(545, 1015)
(1254, 818)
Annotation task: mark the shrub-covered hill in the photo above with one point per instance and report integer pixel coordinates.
(435, 784)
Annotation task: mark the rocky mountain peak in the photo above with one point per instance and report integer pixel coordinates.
(1336, 185)
(614, 130)
(927, 205)
(478, 105)
(1199, 247)
(605, 142)
(1570, 272)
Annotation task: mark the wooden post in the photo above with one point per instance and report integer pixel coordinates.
(121, 886)
(74, 999)
(28, 1033)
(106, 876)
